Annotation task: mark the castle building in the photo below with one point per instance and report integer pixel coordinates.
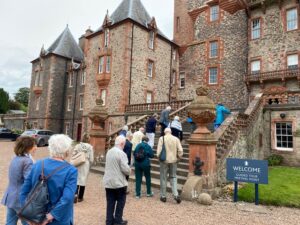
(245, 51)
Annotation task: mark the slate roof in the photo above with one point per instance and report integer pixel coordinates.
(65, 45)
(132, 9)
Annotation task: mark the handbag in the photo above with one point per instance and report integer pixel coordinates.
(78, 159)
(163, 153)
(37, 202)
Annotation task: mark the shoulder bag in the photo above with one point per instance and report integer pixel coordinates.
(78, 159)
(163, 153)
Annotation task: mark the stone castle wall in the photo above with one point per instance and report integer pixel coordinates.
(231, 33)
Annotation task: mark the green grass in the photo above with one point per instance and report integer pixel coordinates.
(283, 188)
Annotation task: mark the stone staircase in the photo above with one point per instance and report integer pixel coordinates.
(183, 165)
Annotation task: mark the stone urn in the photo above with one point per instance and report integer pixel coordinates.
(98, 134)
(98, 115)
(202, 111)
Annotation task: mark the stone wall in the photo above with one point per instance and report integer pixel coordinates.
(292, 115)
(275, 43)
(231, 33)
(141, 83)
(39, 116)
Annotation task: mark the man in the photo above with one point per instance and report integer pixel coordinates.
(150, 129)
(137, 137)
(115, 183)
(164, 120)
(169, 167)
(220, 111)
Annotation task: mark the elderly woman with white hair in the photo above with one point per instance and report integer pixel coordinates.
(61, 184)
(176, 128)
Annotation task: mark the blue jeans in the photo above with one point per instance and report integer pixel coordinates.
(12, 218)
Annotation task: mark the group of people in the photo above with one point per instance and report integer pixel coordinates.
(65, 186)
(137, 149)
(67, 182)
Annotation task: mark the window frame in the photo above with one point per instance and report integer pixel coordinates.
(81, 102)
(216, 51)
(38, 102)
(174, 77)
(150, 62)
(211, 13)
(83, 77)
(182, 77)
(69, 103)
(287, 61)
(251, 63)
(287, 149)
(151, 95)
(151, 40)
(286, 19)
(259, 29)
(106, 37)
(209, 75)
(71, 79)
(101, 65)
(107, 70)
(105, 96)
(67, 131)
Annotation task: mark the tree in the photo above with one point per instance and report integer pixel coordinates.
(22, 96)
(4, 97)
(13, 105)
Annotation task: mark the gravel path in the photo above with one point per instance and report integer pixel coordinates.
(150, 211)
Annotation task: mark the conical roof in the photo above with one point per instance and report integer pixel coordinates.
(65, 45)
(134, 10)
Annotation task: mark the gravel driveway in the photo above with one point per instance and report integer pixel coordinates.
(150, 211)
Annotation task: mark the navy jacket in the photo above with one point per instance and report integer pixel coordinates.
(151, 125)
(19, 169)
(62, 187)
(149, 154)
(128, 149)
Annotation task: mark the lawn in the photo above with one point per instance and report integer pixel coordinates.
(283, 188)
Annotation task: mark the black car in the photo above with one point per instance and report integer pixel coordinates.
(8, 134)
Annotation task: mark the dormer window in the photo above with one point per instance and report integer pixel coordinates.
(106, 37)
(151, 39)
(214, 13)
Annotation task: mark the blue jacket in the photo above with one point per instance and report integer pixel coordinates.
(220, 111)
(62, 187)
(149, 154)
(128, 149)
(164, 117)
(151, 125)
(19, 169)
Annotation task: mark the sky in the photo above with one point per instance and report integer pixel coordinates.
(26, 25)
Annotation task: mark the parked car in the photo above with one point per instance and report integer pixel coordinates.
(8, 134)
(41, 136)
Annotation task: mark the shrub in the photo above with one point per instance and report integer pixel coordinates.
(17, 131)
(275, 160)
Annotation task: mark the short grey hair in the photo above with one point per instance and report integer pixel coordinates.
(129, 134)
(59, 145)
(125, 128)
(167, 130)
(119, 140)
(168, 108)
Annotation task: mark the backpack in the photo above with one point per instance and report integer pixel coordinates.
(37, 201)
(140, 154)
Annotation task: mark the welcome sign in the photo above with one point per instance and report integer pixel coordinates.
(247, 170)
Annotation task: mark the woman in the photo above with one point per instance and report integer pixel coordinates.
(83, 169)
(19, 169)
(176, 128)
(142, 154)
(61, 185)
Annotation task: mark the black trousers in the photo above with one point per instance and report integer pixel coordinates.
(80, 191)
(162, 129)
(116, 199)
